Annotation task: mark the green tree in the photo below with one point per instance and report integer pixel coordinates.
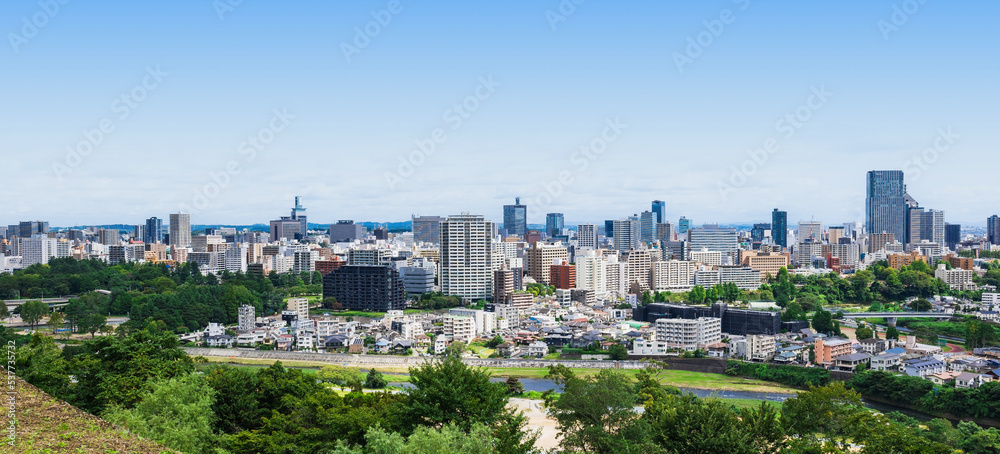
(120, 370)
(92, 323)
(4, 313)
(920, 304)
(829, 410)
(822, 322)
(33, 311)
(496, 340)
(514, 386)
(56, 321)
(864, 332)
(618, 352)
(338, 375)
(697, 294)
(375, 380)
(979, 334)
(595, 414)
(447, 391)
(687, 424)
(892, 333)
(176, 413)
(793, 312)
(40, 362)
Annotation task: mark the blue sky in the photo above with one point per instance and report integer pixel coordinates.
(555, 84)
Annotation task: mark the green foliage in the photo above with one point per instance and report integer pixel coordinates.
(247, 396)
(176, 413)
(33, 311)
(921, 305)
(40, 362)
(596, 414)
(687, 424)
(447, 391)
(697, 295)
(375, 380)
(793, 312)
(864, 332)
(493, 343)
(799, 377)
(514, 386)
(822, 322)
(892, 333)
(979, 334)
(437, 300)
(339, 375)
(618, 352)
(119, 370)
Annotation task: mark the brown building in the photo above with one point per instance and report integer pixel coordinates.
(541, 257)
(327, 266)
(879, 240)
(563, 276)
(965, 263)
(765, 262)
(898, 261)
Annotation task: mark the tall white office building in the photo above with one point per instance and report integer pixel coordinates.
(591, 272)
(467, 257)
(180, 230)
(626, 234)
(586, 236)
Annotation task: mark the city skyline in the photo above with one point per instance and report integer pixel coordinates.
(659, 116)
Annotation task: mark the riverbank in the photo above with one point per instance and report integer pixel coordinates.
(677, 378)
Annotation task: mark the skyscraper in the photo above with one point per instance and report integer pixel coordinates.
(515, 218)
(554, 224)
(626, 234)
(299, 214)
(647, 227)
(683, 225)
(426, 229)
(609, 228)
(660, 209)
(180, 230)
(27, 229)
(294, 227)
(154, 231)
(993, 229)
(758, 232)
(932, 226)
(779, 227)
(586, 236)
(885, 206)
(952, 235)
(467, 257)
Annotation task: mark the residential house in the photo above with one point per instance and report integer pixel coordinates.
(852, 361)
(971, 380)
(922, 367)
(222, 340)
(538, 349)
(886, 361)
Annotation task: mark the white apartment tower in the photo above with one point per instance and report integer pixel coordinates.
(467, 257)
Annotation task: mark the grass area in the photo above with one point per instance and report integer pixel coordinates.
(47, 425)
(751, 403)
(312, 366)
(551, 356)
(678, 378)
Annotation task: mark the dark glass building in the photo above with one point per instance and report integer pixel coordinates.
(757, 234)
(734, 321)
(885, 206)
(660, 211)
(515, 218)
(779, 227)
(554, 223)
(154, 231)
(366, 288)
(952, 235)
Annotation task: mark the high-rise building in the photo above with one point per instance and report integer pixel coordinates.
(37, 249)
(683, 225)
(346, 231)
(660, 209)
(810, 230)
(540, 258)
(591, 272)
(665, 232)
(836, 233)
(154, 231)
(932, 226)
(467, 257)
(299, 214)
(713, 238)
(110, 237)
(993, 229)
(294, 227)
(180, 230)
(586, 236)
(426, 229)
(609, 229)
(554, 224)
(759, 232)
(515, 218)
(647, 227)
(779, 227)
(626, 234)
(366, 288)
(885, 205)
(952, 235)
(27, 229)
(563, 275)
